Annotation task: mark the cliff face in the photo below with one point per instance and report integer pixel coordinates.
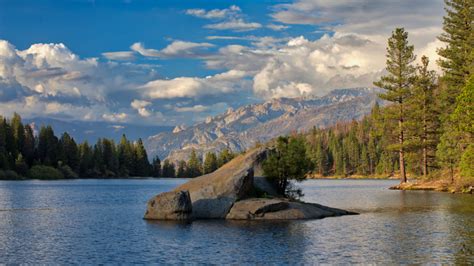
(241, 128)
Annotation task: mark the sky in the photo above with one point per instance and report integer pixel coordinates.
(171, 62)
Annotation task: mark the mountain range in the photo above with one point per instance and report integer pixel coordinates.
(243, 127)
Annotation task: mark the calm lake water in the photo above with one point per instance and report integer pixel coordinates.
(99, 221)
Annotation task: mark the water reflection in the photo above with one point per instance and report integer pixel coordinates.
(98, 221)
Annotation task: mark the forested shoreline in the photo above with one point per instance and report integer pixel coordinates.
(26, 155)
(426, 130)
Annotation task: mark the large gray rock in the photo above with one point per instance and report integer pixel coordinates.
(227, 194)
(174, 205)
(280, 209)
(213, 195)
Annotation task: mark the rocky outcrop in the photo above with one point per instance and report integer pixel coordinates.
(213, 195)
(174, 205)
(229, 192)
(280, 209)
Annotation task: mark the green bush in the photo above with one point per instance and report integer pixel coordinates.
(9, 175)
(44, 172)
(67, 172)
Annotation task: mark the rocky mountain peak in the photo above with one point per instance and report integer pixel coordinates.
(241, 128)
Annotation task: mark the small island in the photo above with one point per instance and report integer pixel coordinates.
(236, 191)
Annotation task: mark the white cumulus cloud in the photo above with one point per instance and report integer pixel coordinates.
(192, 87)
(175, 49)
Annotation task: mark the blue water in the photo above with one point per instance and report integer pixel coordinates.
(100, 221)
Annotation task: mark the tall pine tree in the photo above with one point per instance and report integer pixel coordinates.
(398, 84)
(423, 115)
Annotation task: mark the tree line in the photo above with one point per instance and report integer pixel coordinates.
(24, 154)
(45, 156)
(195, 167)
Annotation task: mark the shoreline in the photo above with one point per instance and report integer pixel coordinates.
(438, 185)
(374, 177)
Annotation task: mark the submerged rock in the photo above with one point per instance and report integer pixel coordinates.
(280, 209)
(174, 205)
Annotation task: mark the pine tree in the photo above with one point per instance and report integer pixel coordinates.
(210, 163)
(47, 146)
(463, 115)
(398, 83)
(156, 167)
(28, 149)
(168, 169)
(224, 157)
(456, 143)
(182, 171)
(142, 164)
(68, 152)
(98, 159)
(18, 133)
(194, 165)
(3, 144)
(457, 57)
(423, 115)
(86, 160)
(125, 157)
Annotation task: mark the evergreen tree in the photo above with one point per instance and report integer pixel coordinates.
(224, 157)
(467, 164)
(109, 158)
(68, 152)
(463, 115)
(142, 165)
(423, 115)
(182, 169)
(458, 134)
(194, 165)
(47, 146)
(86, 160)
(398, 83)
(456, 57)
(168, 169)
(156, 167)
(28, 149)
(3, 144)
(18, 134)
(98, 159)
(210, 163)
(10, 143)
(125, 157)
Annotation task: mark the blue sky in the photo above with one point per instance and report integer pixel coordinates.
(173, 62)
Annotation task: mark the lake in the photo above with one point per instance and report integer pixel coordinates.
(100, 221)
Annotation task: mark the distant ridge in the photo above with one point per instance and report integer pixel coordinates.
(241, 128)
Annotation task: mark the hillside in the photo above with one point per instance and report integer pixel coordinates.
(241, 128)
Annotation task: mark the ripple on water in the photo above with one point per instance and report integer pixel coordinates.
(98, 221)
